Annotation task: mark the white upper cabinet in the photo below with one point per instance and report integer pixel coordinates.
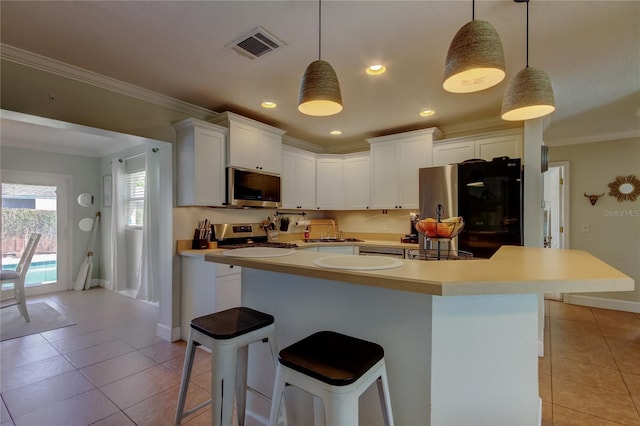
(395, 161)
(200, 163)
(329, 182)
(252, 145)
(356, 181)
(486, 147)
(298, 179)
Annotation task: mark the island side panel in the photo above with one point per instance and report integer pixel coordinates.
(484, 362)
(399, 321)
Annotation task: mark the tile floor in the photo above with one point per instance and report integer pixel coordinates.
(110, 369)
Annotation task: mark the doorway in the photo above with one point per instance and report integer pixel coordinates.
(556, 210)
(37, 202)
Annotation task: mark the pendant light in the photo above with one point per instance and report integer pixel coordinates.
(529, 94)
(475, 60)
(319, 89)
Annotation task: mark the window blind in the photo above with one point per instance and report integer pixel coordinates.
(134, 197)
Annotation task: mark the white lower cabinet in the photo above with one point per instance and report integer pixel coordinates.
(337, 249)
(206, 287)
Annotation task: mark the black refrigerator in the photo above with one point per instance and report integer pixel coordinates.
(486, 194)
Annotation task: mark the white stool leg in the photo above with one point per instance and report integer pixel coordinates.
(319, 417)
(241, 383)
(342, 410)
(276, 397)
(223, 383)
(184, 380)
(22, 299)
(385, 398)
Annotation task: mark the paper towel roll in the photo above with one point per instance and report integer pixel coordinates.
(303, 223)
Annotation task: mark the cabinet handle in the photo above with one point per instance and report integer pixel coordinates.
(230, 266)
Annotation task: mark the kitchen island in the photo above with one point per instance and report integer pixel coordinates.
(460, 337)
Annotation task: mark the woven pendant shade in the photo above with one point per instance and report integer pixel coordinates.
(319, 90)
(528, 96)
(475, 60)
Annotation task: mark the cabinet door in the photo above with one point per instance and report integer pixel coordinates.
(271, 158)
(384, 178)
(356, 183)
(306, 181)
(244, 146)
(413, 155)
(490, 148)
(329, 184)
(288, 181)
(298, 181)
(200, 162)
(456, 152)
(253, 148)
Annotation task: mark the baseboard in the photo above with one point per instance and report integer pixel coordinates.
(168, 333)
(541, 348)
(539, 411)
(604, 303)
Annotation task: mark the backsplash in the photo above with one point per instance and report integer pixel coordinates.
(185, 219)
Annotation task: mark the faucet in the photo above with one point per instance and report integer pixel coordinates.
(331, 224)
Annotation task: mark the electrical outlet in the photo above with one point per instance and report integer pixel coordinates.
(585, 227)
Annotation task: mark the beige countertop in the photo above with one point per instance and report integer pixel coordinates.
(511, 270)
(184, 249)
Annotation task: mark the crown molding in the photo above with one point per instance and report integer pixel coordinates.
(602, 137)
(52, 66)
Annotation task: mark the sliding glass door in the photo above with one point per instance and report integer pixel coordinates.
(37, 203)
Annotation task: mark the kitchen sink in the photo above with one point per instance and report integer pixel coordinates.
(332, 240)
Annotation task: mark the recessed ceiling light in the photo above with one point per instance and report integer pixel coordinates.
(336, 132)
(376, 69)
(268, 104)
(427, 113)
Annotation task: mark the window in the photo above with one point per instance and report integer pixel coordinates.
(134, 197)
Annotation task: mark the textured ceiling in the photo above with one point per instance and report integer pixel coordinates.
(589, 49)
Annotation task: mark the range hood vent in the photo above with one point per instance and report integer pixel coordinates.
(256, 43)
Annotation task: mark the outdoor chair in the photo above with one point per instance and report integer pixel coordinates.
(17, 278)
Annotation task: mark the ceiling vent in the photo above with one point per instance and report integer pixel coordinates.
(256, 43)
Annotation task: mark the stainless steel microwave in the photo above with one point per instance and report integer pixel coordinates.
(250, 188)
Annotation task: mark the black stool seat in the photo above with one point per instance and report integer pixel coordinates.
(331, 357)
(231, 323)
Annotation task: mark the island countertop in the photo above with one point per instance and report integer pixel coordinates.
(512, 270)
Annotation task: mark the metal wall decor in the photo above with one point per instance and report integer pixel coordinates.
(625, 188)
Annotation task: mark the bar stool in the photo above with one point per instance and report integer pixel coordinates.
(228, 335)
(336, 369)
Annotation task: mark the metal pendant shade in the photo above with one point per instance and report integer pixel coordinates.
(529, 94)
(475, 60)
(319, 90)
(319, 93)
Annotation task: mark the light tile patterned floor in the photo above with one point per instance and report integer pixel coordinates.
(590, 375)
(110, 369)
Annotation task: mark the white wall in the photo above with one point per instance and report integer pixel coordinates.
(614, 227)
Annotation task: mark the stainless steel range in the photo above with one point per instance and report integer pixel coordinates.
(240, 235)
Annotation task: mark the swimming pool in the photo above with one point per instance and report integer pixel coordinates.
(40, 271)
